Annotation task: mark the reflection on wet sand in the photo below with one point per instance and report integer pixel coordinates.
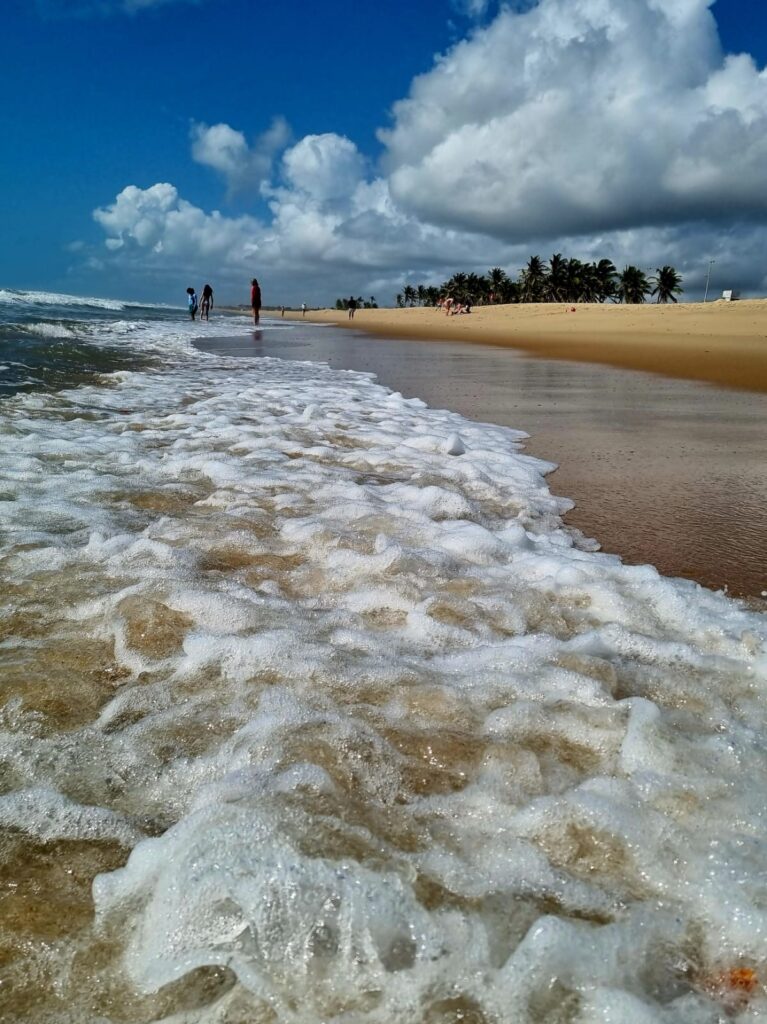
(661, 470)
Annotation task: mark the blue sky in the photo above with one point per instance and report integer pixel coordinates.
(488, 156)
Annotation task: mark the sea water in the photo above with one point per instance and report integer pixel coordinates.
(312, 709)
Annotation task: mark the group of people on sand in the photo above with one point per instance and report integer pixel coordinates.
(451, 307)
(206, 302)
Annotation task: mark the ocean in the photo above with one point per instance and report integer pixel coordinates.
(313, 709)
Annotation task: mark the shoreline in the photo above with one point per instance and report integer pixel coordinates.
(655, 465)
(721, 343)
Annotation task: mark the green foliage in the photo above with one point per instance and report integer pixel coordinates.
(561, 280)
(633, 286)
(668, 284)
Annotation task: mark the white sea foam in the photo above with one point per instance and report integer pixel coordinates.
(12, 296)
(413, 752)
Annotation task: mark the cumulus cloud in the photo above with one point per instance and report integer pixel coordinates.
(580, 116)
(324, 167)
(227, 152)
(590, 127)
(159, 221)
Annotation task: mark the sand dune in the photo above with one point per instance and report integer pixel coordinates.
(719, 342)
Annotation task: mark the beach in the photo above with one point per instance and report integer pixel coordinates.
(661, 470)
(315, 707)
(717, 342)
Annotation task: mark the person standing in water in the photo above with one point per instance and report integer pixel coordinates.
(207, 302)
(192, 302)
(255, 300)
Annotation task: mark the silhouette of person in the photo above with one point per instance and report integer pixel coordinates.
(255, 300)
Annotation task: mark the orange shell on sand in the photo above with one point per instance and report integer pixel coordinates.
(733, 987)
(743, 978)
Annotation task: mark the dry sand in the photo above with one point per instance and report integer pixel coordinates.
(718, 342)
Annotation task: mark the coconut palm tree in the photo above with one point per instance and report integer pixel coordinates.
(556, 283)
(476, 288)
(410, 295)
(606, 276)
(574, 280)
(633, 285)
(399, 300)
(532, 280)
(456, 286)
(590, 284)
(497, 279)
(668, 284)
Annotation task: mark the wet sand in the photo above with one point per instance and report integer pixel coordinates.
(719, 342)
(662, 470)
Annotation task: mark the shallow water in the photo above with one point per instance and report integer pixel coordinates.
(669, 472)
(312, 710)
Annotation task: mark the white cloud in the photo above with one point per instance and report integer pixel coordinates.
(157, 221)
(590, 127)
(226, 151)
(88, 8)
(324, 167)
(582, 116)
(471, 8)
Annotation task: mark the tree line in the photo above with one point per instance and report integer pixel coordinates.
(561, 280)
(361, 303)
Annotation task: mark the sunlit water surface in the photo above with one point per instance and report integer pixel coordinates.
(312, 710)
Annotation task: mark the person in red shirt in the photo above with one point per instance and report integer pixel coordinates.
(255, 300)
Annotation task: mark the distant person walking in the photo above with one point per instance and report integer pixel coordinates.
(192, 298)
(352, 306)
(303, 309)
(282, 311)
(255, 300)
(207, 302)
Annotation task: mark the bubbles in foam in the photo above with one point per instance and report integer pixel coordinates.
(387, 742)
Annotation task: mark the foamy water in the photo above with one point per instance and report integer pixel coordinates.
(313, 711)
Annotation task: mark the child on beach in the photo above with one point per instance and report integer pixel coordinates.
(192, 302)
(207, 302)
(255, 300)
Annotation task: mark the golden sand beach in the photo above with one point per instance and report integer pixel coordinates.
(719, 342)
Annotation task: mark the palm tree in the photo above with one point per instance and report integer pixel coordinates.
(497, 279)
(556, 285)
(590, 283)
(533, 280)
(399, 300)
(574, 279)
(606, 276)
(633, 285)
(456, 286)
(475, 288)
(668, 284)
(410, 295)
